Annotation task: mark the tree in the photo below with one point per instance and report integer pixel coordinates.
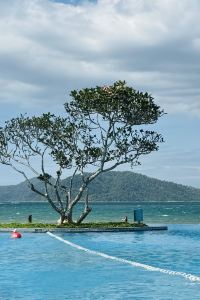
(101, 131)
(24, 147)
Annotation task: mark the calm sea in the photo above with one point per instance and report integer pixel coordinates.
(157, 212)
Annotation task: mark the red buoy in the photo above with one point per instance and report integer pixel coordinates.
(16, 234)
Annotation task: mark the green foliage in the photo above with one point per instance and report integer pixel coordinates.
(44, 177)
(108, 119)
(124, 104)
(27, 225)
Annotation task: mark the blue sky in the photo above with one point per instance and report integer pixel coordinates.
(48, 48)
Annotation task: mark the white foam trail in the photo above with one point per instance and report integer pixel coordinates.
(129, 262)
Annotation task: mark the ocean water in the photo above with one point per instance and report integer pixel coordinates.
(157, 212)
(39, 267)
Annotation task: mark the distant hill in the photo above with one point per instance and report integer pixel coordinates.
(113, 186)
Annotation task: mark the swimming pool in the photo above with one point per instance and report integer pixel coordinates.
(40, 267)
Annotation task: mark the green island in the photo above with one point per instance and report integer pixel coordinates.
(82, 225)
(113, 186)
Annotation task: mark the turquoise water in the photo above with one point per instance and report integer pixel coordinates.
(39, 267)
(157, 212)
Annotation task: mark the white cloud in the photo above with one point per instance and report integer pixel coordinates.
(49, 48)
(173, 164)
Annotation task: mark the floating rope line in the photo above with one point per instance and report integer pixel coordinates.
(125, 261)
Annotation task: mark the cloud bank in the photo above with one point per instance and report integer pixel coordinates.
(48, 48)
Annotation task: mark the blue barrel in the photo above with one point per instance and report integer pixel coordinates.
(138, 215)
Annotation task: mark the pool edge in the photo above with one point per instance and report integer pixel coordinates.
(82, 230)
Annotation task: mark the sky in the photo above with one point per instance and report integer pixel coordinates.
(48, 48)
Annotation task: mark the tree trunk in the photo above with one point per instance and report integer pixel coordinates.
(66, 218)
(83, 215)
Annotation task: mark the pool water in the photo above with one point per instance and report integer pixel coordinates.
(40, 267)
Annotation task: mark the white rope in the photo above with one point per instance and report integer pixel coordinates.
(129, 262)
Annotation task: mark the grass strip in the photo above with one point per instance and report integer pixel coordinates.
(83, 225)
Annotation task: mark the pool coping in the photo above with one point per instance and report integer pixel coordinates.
(82, 230)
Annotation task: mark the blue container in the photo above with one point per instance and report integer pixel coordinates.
(138, 215)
